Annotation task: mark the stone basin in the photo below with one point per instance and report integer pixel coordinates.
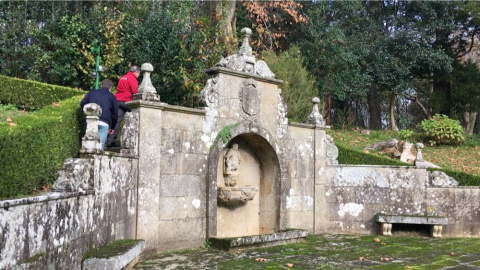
(236, 195)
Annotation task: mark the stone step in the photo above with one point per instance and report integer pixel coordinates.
(289, 236)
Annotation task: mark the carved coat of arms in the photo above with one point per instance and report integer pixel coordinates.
(250, 96)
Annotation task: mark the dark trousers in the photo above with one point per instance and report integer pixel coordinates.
(121, 114)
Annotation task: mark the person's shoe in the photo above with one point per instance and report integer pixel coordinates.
(112, 144)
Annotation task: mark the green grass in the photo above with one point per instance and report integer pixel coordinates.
(10, 112)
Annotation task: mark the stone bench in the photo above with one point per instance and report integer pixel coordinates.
(436, 222)
(119, 255)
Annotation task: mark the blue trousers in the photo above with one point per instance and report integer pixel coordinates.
(103, 133)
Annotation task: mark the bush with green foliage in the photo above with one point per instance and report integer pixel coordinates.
(443, 130)
(405, 134)
(34, 149)
(32, 95)
(299, 87)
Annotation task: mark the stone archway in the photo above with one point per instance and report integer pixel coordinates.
(259, 168)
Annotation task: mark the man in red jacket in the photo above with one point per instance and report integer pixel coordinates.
(127, 86)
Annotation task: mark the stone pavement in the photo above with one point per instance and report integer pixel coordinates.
(332, 252)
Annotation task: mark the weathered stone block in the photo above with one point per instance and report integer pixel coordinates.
(181, 186)
(371, 195)
(181, 208)
(182, 230)
(340, 195)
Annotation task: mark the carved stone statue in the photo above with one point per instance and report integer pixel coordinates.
(232, 162)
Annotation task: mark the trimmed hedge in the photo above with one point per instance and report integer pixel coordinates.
(33, 95)
(33, 151)
(355, 157)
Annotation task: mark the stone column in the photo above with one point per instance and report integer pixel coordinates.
(145, 127)
(322, 158)
(91, 143)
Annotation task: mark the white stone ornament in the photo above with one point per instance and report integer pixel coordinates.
(244, 61)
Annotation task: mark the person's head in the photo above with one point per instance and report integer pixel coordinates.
(135, 70)
(107, 84)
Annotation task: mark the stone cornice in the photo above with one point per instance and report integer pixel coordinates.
(165, 107)
(223, 70)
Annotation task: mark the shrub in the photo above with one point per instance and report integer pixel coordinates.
(443, 130)
(299, 87)
(32, 95)
(405, 134)
(34, 150)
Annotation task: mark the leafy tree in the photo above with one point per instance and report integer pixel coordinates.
(333, 51)
(299, 87)
(465, 80)
(181, 46)
(18, 25)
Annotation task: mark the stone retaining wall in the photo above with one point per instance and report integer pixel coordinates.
(355, 194)
(53, 231)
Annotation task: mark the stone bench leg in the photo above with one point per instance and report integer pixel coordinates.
(386, 229)
(437, 231)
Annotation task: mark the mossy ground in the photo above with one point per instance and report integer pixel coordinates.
(333, 252)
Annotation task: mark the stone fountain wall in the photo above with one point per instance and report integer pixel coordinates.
(175, 184)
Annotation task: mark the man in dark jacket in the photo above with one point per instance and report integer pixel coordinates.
(109, 105)
(127, 86)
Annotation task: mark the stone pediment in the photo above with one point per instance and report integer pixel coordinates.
(244, 61)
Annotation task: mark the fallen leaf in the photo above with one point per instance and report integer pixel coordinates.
(361, 259)
(55, 104)
(384, 243)
(408, 267)
(376, 239)
(452, 253)
(9, 119)
(289, 265)
(12, 124)
(46, 187)
(239, 251)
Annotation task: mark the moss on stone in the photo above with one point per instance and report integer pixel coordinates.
(35, 258)
(111, 250)
(224, 134)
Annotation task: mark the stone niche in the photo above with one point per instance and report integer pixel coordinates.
(244, 198)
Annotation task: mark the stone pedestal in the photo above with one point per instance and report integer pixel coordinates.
(91, 143)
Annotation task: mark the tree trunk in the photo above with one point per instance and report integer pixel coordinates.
(469, 121)
(227, 24)
(373, 99)
(328, 109)
(478, 124)
(391, 110)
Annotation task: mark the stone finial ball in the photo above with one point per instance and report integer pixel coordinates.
(419, 145)
(147, 67)
(92, 109)
(246, 30)
(316, 100)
